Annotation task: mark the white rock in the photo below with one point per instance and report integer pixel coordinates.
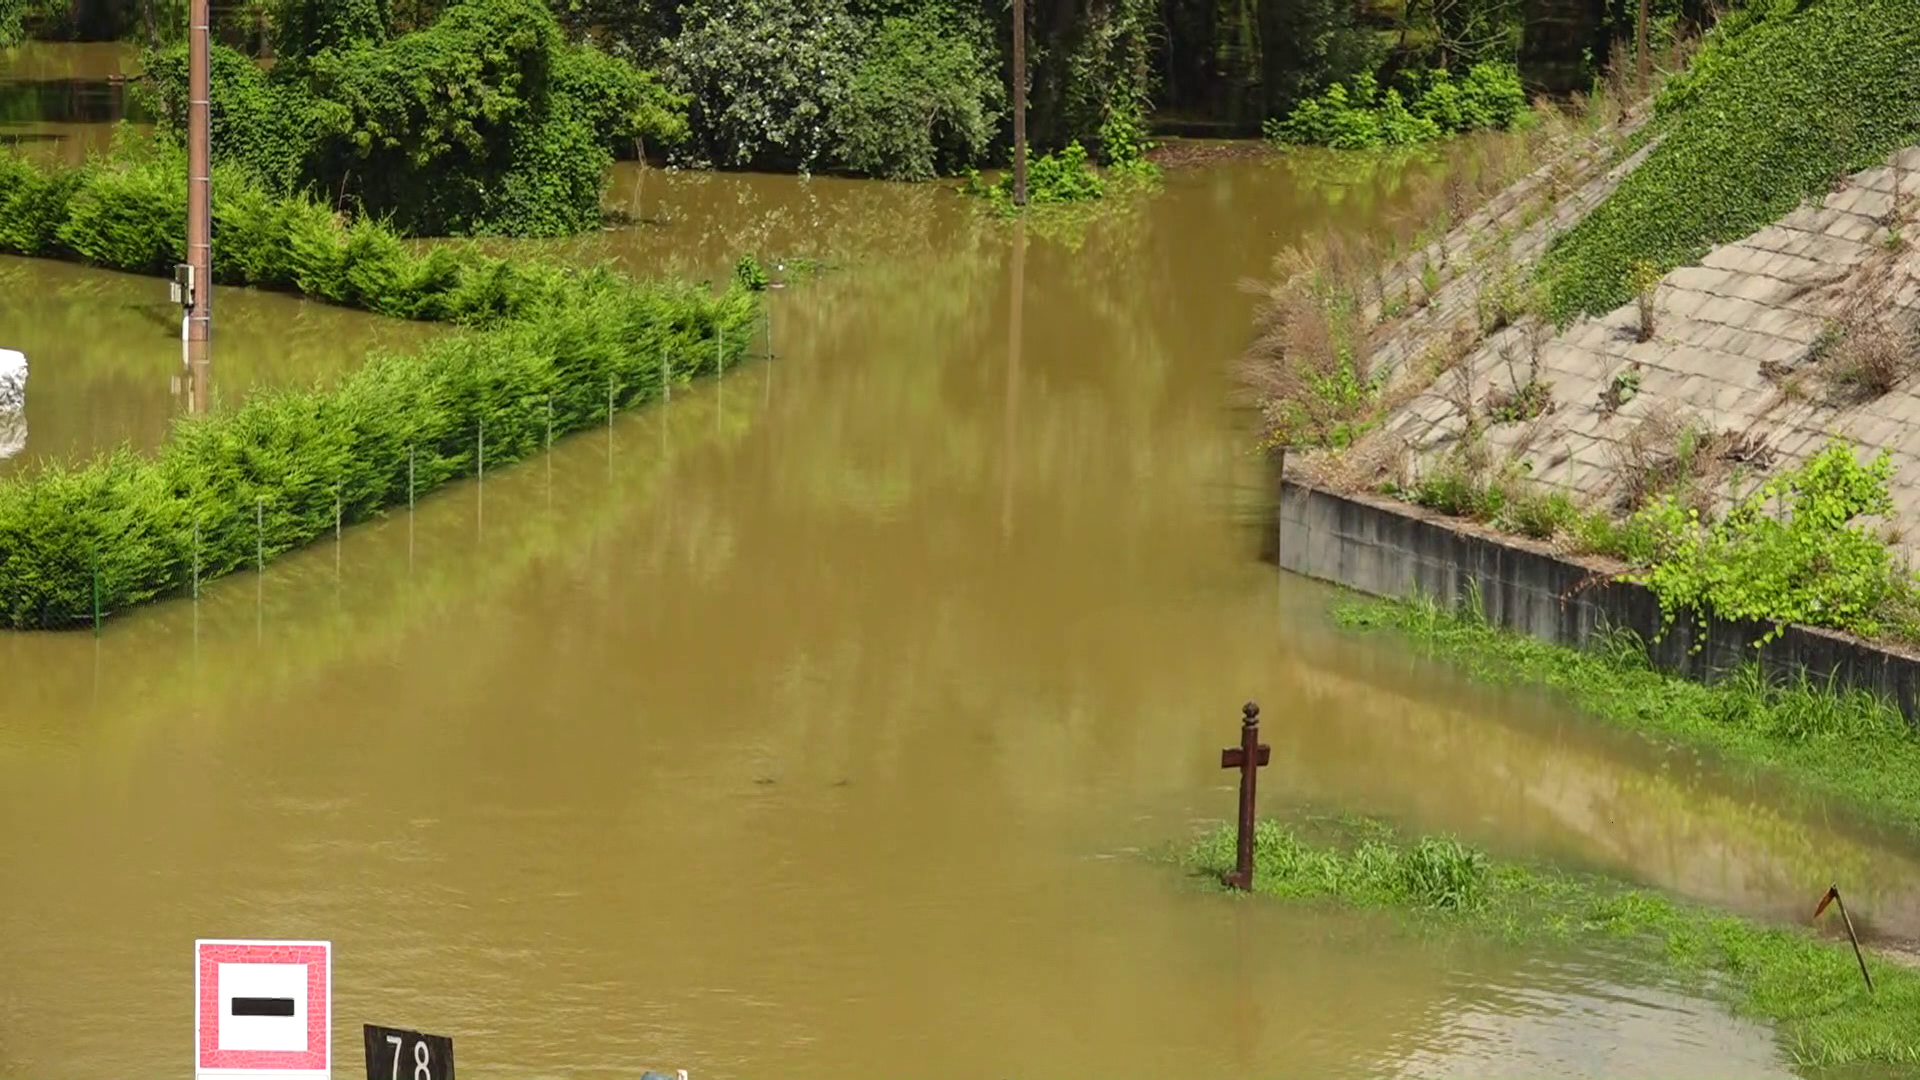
(13, 403)
(13, 381)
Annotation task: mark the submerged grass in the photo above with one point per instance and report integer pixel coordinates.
(1809, 988)
(1835, 741)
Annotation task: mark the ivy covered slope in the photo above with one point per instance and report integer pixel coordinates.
(486, 121)
(1785, 97)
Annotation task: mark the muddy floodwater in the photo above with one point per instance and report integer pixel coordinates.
(820, 723)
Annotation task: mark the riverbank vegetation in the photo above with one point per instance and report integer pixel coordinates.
(483, 121)
(1338, 295)
(548, 350)
(1782, 100)
(1428, 105)
(1836, 742)
(1776, 103)
(129, 213)
(901, 89)
(1070, 176)
(1800, 547)
(1808, 987)
(237, 487)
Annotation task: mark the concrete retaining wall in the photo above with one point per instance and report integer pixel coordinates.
(1385, 548)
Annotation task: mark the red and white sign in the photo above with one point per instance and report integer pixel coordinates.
(264, 1009)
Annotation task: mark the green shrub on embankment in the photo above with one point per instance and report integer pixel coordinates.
(130, 214)
(1804, 97)
(267, 477)
(1808, 987)
(1358, 115)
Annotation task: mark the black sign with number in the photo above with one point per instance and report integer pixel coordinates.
(398, 1054)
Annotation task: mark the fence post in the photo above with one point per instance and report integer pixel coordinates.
(666, 371)
(196, 558)
(480, 450)
(96, 594)
(260, 534)
(409, 478)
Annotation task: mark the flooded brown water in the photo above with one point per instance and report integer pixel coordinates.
(104, 353)
(61, 101)
(820, 722)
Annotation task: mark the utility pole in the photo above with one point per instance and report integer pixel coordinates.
(199, 203)
(1019, 102)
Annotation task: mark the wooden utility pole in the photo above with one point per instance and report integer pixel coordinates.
(1019, 102)
(1641, 46)
(199, 203)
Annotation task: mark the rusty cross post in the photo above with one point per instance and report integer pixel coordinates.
(1247, 757)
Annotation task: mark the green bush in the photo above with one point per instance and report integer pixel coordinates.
(1358, 115)
(268, 477)
(766, 78)
(130, 215)
(1809, 561)
(1804, 97)
(34, 204)
(1070, 176)
(924, 102)
(905, 92)
(10, 14)
(487, 121)
(580, 340)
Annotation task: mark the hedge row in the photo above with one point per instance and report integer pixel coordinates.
(555, 350)
(265, 478)
(130, 214)
(1805, 97)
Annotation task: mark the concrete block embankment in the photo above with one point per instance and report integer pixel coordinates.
(1391, 549)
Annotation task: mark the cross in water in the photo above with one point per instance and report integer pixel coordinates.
(1247, 757)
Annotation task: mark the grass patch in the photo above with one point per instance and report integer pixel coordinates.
(1776, 109)
(1836, 742)
(1809, 988)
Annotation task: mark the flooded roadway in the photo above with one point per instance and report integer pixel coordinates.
(815, 725)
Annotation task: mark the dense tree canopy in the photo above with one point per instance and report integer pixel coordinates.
(11, 12)
(482, 115)
(485, 121)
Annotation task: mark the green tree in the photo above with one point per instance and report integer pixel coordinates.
(924, 101)
(486, 121)
(11, 13)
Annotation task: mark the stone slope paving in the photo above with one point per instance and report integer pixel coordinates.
(1731, 335)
